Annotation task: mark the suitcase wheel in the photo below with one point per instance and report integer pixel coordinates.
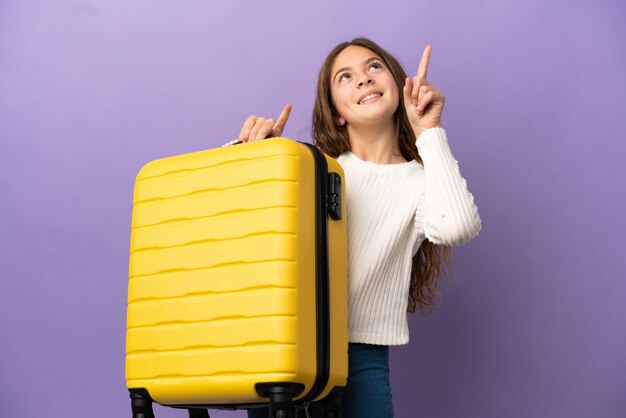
(198, 413)
(141, 403)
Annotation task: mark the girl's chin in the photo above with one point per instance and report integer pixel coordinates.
(373, 118)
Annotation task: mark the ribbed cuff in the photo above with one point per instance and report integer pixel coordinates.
(431, 135)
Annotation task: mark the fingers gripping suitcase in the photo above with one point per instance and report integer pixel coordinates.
(237, 291)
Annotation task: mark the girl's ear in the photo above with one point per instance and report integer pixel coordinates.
(341, 121)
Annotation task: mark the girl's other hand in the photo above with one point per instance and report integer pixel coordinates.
(423, 101)
(257, 128)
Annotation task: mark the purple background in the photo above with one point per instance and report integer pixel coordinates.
(533, 323)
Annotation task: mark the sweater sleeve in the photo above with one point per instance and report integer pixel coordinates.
(234, 141)
(447, 214)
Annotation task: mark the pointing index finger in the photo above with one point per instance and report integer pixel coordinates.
(282, 119)
(422, 71)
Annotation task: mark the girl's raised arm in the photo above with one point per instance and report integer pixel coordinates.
(448, 214)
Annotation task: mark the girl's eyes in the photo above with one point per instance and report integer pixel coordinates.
(375, 65)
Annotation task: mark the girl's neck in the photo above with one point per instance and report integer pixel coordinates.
(375, 143)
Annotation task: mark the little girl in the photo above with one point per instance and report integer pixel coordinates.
(406, 203)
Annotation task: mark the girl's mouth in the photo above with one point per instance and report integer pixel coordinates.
(369, 98)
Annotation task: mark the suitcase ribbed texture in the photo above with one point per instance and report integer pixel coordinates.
(222, 275)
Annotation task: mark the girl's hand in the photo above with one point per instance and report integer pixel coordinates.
(257, 129)
(422, 101)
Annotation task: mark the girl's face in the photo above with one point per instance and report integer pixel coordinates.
(362, 87)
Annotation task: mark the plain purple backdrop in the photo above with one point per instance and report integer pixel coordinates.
(532, 325)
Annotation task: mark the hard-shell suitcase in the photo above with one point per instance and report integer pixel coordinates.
(237, 290)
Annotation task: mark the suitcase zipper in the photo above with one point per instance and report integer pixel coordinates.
(321, 274)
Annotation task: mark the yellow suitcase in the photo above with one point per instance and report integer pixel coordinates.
(237, 292)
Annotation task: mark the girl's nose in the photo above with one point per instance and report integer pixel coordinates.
(367, 80)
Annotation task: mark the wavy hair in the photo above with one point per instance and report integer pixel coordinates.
(427, 269)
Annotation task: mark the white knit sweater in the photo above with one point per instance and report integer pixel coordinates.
(391, 209)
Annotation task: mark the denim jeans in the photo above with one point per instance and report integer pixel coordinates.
(367, 393)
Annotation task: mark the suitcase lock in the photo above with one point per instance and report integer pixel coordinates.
(334, 196)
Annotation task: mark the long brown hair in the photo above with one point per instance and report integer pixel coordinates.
(427, 269)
